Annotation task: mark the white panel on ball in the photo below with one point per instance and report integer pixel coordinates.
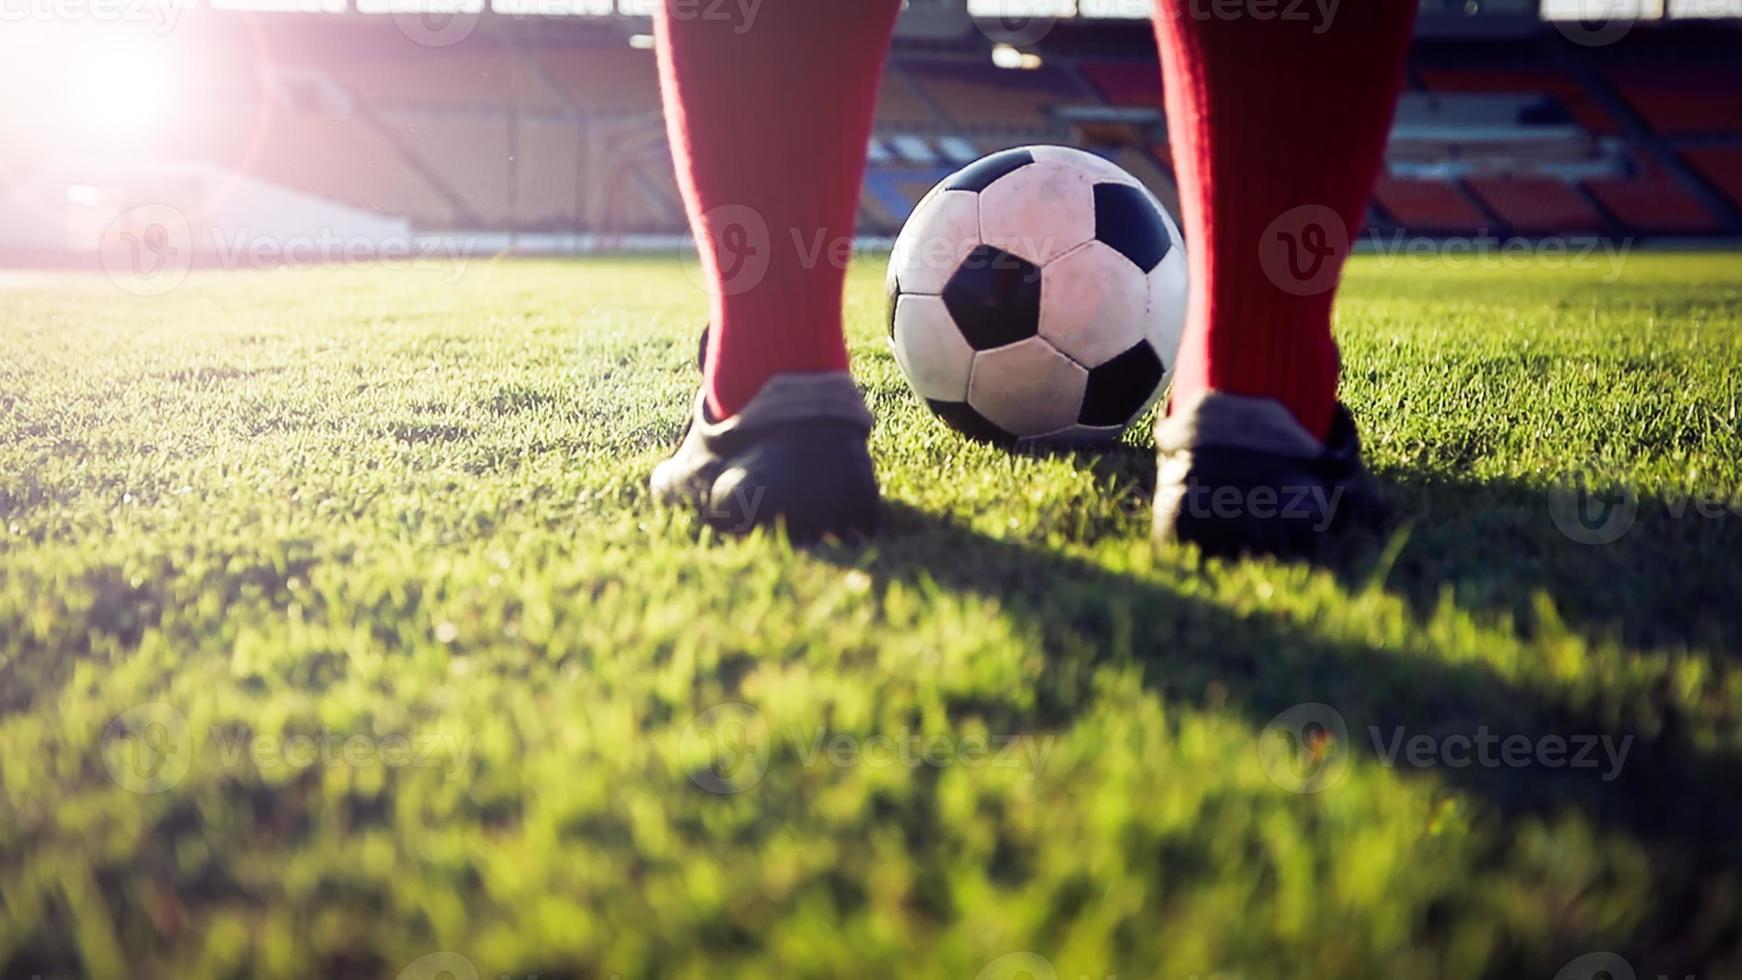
(935, 240)
(1028, 388)
(1039, 212)
(930, 350)
(1168, 285)
(1099, 167)
(1093, 304)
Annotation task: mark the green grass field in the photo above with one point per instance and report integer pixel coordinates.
(337, 631)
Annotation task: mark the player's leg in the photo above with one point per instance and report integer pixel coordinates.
(1278, 129)
(769, 120)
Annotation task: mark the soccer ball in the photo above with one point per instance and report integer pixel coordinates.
(1037, 295)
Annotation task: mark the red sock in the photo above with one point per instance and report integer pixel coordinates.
(769, 121)
(1278, 129)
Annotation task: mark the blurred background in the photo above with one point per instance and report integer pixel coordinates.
(533, 125)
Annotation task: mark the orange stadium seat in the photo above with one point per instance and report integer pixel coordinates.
(897, 104)
(1126, 83)
(474, 77)
(342, 158)
(1721, 166)
(547, 163)
(1536, 205)
(600, 79)
(1575, 97)
(981, 95)
(467, 153)
(1654, 202)
(1690, 100)
(1427, 205)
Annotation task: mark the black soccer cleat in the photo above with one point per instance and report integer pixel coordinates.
(1240, 475)
(795, 457)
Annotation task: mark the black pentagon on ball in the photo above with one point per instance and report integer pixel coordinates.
(1129, 222)
(980, 174)
(962, 417)
(994, 298)
(1122, 386)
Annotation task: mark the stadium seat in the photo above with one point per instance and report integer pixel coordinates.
(546, 174)
(1124, 83)
(1654, 203)
(1428, 206)
(342, 158)
(1536, 205)
(1721, 166)
(1689, 100)
(977, 94)
(467, 153)
(897, 104)
(1575, 97)
(602, 79)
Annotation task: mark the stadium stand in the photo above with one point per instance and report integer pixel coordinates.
(598, 79)
(975, 95)
(1124, 83)
(526, 128)
(1654, 202)
(1428, 206)
(1721, 166)
(1537, 205)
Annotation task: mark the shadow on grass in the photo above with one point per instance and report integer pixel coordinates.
(1673, 796)
(1644, 570)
